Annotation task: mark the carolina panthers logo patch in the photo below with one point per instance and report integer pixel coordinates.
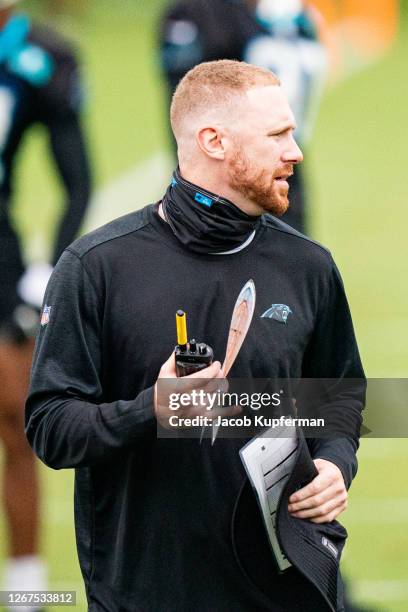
(279, 312)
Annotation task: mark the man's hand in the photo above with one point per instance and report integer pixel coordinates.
(323, 499)
(210, 380)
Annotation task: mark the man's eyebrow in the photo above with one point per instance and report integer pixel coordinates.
(282, 128)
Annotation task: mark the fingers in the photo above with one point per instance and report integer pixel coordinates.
(192, 381)
(318, 499)
(320, 506)
(203, 379)
(168, 369)
(198, 380)
(314, 488)
(213, 371)
(329, 474)
(322, 499)
(192, 395)
(330, 516)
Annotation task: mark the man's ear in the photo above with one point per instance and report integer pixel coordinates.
(211, 142)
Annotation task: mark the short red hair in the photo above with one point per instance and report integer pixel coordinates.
(215, 84)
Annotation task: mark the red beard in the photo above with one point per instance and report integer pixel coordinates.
(259, 186)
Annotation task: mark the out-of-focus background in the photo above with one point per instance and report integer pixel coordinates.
(358, 208)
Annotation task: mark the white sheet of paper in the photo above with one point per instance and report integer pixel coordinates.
(268, 460)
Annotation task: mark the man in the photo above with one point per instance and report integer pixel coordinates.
(39, 84)
(285, 37)
(154, 516)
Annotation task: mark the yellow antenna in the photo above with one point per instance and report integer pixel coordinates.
(181, 328)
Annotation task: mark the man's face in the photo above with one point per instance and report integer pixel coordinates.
(263, 150)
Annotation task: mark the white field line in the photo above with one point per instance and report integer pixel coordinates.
(141, 185)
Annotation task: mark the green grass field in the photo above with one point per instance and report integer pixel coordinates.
(359, 210)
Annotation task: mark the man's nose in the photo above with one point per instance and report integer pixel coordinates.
(293, 153)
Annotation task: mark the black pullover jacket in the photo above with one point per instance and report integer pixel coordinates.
(153, 516)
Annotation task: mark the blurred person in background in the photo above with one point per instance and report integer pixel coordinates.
(39, 83)
(285, 36)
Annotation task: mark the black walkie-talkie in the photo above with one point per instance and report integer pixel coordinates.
(190, 356)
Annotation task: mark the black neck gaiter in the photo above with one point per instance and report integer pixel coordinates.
(202, 221)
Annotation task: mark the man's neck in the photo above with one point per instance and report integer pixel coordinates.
(221, 188)
(240, 248)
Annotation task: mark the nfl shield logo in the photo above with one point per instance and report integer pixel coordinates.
(45, 317)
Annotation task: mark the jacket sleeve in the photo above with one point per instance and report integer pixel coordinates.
(67, 422)
(333, 360)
